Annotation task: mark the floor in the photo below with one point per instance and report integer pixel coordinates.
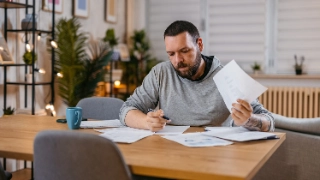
(23, 174)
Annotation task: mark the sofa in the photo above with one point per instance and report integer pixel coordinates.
(298, 158)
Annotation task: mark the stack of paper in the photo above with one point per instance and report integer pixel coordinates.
(239, 134)
(101, 124)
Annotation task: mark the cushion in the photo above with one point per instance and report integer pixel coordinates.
(305, 125)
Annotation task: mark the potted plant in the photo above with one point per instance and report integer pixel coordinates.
(8, 111)
(256, 68)
(27, 57)
(298, 66)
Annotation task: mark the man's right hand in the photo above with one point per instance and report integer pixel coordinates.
(155, 120)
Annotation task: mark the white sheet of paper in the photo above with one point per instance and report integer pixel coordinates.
(197, 140)
(101, 124)
(239, 134)
(233, 83)
(123, 135)
(172, 130)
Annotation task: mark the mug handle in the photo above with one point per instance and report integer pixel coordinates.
(77, 114)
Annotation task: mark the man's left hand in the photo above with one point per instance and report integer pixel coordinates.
(241, 112)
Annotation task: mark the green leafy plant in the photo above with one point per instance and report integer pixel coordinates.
(27, 57)
(8, 111)
(111, 38)
(256, 66)
(81, 71)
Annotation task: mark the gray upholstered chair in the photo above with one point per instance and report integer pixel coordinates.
(75, 155)
(101, 108)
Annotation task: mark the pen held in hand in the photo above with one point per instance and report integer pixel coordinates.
(164, 117)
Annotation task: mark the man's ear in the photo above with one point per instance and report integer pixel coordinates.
(200, 44)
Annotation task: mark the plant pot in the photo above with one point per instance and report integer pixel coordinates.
(298, 71)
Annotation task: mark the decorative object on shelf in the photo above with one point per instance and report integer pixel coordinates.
(256, 68)
(298, 66)
(111, 11)
(26, 23)
(8, 111)
(47, 5)
(27, 57)
(5, 55)
(81, 8)
(81, 71)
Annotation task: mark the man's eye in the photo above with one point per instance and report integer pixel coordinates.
(171, 54)
(185, 50)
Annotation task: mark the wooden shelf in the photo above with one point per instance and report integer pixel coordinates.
(6, 4)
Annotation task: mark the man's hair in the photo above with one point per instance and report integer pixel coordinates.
(178, 27)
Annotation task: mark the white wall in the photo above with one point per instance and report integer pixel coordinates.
(95, 25)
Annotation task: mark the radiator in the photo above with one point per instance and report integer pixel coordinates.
(300, 102)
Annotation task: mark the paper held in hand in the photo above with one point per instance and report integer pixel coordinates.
(233, 83)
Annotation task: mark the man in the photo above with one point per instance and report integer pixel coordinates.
(184, 91)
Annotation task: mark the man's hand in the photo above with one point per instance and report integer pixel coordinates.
(241, 112)
(155, 120)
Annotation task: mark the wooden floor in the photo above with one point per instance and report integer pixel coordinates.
(23, 174)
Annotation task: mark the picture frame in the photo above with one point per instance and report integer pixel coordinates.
(111, 11)
(5, 55)
(47, 5)
(81, 8)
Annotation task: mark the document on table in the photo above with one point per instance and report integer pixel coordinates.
(233, 83)
(239, 134)
(125, 135)
(197, 140)
(101, 124)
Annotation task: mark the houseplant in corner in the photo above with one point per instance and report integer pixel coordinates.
(81, 71)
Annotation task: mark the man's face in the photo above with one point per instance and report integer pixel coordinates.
(184, 54)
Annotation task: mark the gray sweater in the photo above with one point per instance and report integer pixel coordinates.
(185, 102)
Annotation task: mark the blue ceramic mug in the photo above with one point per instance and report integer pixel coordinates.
(74, 117)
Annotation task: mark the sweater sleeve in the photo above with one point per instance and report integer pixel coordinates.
(144, 97)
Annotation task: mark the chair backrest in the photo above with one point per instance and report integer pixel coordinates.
(101, 108)
(2, 173)
(75, 155)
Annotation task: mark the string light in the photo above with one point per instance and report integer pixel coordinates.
(28, 47)
(39, 36)
(53, 44)
(40, 70)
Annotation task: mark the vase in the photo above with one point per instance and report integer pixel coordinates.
(298, 71)
(26, 23)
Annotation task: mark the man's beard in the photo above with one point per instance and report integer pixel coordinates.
(192, 69)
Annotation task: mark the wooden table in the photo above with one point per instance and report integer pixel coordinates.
(152, 156)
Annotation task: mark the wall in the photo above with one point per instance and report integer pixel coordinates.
(95, 25)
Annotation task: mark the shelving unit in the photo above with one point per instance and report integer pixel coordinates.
(14, 5)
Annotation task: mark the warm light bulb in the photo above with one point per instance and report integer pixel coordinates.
(39, 37)
(54, 44)
(49, 106)
(42, 71)
(28, 47)
(60, 75)
(117, 83)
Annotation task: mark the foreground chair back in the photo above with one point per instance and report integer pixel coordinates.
(66, 155)
(101, 108)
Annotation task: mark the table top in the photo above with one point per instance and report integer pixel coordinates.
(152, 156)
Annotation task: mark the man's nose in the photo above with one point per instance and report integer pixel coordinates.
(178, 58)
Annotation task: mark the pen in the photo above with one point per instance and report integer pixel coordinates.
(164, 117)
